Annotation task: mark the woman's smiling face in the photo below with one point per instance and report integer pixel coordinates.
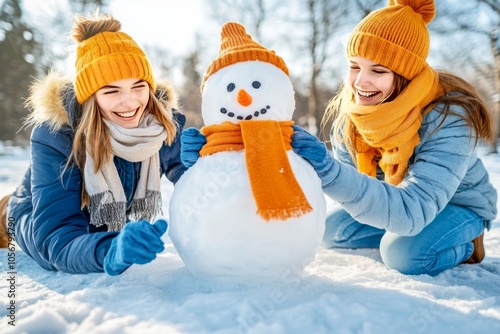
(123, 101)
(372, 83)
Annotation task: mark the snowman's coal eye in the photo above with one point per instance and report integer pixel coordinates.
(231, 87)
(256, 84)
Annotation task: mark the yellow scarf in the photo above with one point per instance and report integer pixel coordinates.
(390, 130)
(274, 187)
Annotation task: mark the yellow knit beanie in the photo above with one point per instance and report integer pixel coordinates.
(106, 57)
(237, 46)
(395, 36)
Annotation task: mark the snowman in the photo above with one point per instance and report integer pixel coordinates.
(249, 208)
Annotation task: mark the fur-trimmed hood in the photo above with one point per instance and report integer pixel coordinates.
(52, 100)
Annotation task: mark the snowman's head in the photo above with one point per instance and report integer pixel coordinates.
(246, 81)
(247, 90)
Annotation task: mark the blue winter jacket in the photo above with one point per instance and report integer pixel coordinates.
(444, 169)
(51, 227)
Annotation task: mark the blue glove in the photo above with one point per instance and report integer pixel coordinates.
(313, 151)
(192, 140)
(138, 242)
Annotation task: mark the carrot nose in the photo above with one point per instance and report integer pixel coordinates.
(244, 98)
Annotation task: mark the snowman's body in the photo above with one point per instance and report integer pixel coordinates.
(214, 224)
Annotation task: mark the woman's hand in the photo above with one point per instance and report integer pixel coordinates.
(192, 140)
(138, 242)
(313, 151)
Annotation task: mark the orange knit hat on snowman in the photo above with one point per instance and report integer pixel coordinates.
(237, 46)
(395, 36)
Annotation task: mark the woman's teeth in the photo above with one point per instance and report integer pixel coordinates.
(127, 114)
(367, 94)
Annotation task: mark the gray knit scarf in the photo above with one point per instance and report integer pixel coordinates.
(107, 198)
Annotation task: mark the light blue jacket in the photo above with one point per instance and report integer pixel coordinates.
(443, 169)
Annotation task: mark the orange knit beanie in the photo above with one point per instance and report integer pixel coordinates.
(395, 36)
(237, 46)
(107, 57)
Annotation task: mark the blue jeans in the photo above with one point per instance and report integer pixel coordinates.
(444, 243)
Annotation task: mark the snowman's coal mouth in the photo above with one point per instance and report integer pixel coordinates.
(247, 117)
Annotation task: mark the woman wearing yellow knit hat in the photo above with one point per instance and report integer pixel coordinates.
(404, 169)
(100, 144)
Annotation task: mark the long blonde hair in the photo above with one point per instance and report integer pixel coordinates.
(91, 135)
(477, 115)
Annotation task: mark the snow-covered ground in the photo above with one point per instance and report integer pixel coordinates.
(342, 291)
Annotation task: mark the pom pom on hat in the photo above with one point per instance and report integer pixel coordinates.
(106, 57)
(395, 36)
(237, 46)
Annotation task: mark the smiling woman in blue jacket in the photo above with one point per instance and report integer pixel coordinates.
(99, 146)
(404, 170)
(405, 173)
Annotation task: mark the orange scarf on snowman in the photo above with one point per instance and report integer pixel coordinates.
(390, 130)
(275, 189)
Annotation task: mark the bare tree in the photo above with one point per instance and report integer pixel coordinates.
(495, 47)
(54, 24)
(19, 50)
(470, 48)
(324, 18)
(82, 6)
(251, 13)
(191, 95)
(494, 5)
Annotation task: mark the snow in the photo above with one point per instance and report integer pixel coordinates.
(341, 291)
